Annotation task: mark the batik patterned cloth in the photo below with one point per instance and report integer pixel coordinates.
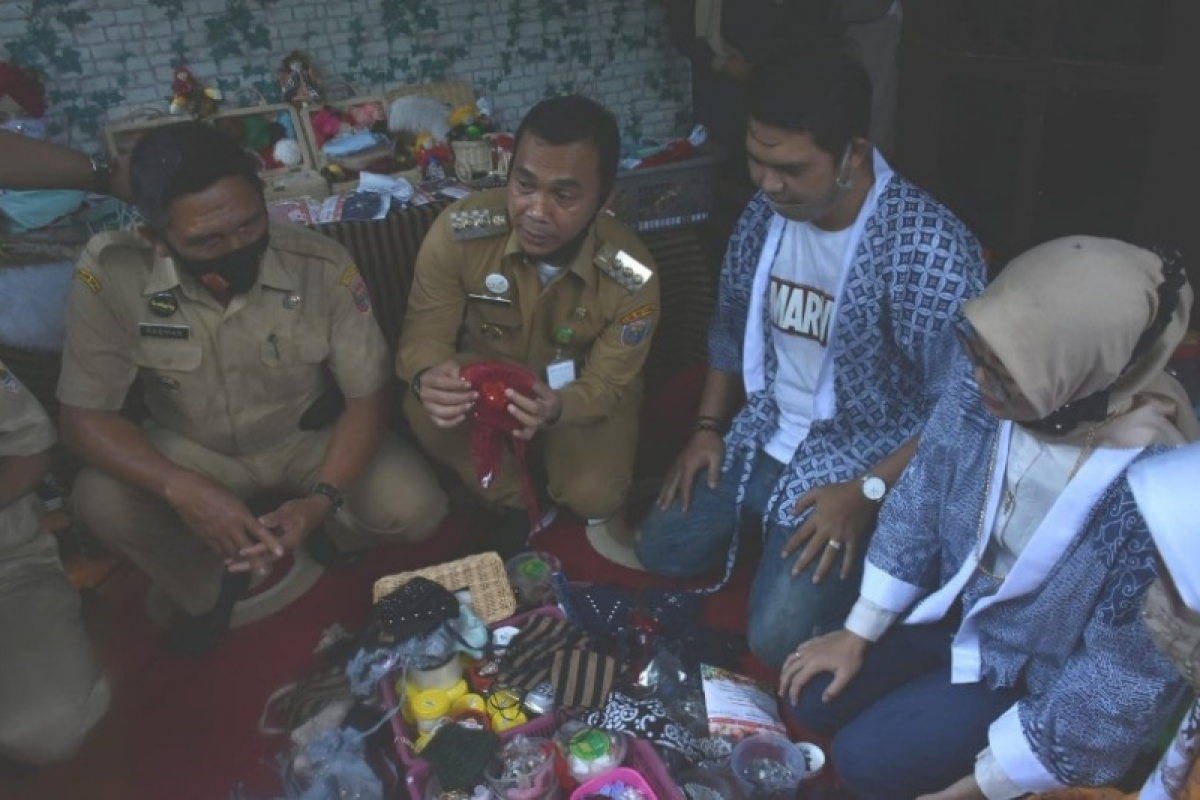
(913, 266)
(1097, 688)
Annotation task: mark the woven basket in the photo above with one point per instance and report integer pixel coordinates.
(503, 157)
(452, 93)
(471, 158)
(667, 196)
(492, 598)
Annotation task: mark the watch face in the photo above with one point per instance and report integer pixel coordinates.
(874, 488)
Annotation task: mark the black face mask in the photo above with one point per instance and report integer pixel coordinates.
(230, 274)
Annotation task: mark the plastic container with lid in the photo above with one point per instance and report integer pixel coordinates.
(504, 710)
(442, 676)
(429, 708)
(591, 751)
(529, 574)
(468, 702)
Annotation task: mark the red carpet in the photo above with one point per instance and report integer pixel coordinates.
(188, 729)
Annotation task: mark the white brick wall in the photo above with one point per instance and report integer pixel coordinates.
(129, 46)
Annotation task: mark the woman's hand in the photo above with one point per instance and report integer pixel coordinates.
(840, 652)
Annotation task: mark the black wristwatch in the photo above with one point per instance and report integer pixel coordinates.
(415, 384)
(329, 492)
(103, 168)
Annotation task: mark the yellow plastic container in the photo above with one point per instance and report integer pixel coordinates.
(429, 708)
(504, 710)
(503, 720)
(468, 702)
(456, 691)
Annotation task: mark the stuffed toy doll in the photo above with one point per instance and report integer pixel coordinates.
(298, 80)
(493, 425)
(188, 96)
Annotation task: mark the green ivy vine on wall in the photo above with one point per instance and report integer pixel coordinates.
(579, 39)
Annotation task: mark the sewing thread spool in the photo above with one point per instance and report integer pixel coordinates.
(429, 708)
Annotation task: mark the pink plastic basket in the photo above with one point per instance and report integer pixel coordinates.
(641, 760)
(625, 775)
(402, 733)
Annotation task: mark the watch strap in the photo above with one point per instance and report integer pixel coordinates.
(102, 172)
(415, 383)
(330, 492)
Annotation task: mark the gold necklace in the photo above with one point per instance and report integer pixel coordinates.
(1009, 501)
(981, 539)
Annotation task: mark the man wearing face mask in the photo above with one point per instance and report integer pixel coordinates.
(537, 275)
(837, 281)
(262, 369)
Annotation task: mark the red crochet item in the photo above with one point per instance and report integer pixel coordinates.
(494, 425)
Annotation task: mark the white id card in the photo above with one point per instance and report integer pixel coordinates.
(560, 372)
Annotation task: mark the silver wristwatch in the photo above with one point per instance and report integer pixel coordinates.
(873, 488)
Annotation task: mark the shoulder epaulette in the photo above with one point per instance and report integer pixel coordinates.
(110, 242)
(622, 267)
(478, 223)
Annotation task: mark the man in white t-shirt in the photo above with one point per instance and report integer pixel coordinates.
(839, 279)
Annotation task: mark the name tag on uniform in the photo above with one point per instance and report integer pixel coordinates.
(151, 331)
(560, 373)
(490, 298)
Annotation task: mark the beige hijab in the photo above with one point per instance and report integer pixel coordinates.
(1064, 317)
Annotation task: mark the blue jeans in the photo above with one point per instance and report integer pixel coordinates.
(902, 729)
(784, 610)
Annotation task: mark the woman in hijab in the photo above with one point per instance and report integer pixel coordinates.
(1021, 664)
(1164, 487)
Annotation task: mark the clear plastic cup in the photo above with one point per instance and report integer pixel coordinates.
(767, 765)
(529, 574)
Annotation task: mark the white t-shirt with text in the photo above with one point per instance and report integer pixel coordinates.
(804, 281)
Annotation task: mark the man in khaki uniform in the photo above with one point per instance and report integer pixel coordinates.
(51, 691)
(537, 275)
(246, 337)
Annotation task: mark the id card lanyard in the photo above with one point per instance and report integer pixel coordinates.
(561, 371)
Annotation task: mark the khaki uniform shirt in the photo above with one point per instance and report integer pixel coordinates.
(481, 297)
(25, 430)
(232, 378)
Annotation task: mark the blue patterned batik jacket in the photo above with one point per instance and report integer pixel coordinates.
(1064, 624)
(913, 266)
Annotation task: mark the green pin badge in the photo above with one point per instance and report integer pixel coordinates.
(563, 336)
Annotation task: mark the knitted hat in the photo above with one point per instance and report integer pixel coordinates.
(494, 425)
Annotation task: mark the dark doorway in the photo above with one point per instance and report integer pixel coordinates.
(1037, 118)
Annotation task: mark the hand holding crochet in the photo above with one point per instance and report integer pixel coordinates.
(535, 412)
(446, 394)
